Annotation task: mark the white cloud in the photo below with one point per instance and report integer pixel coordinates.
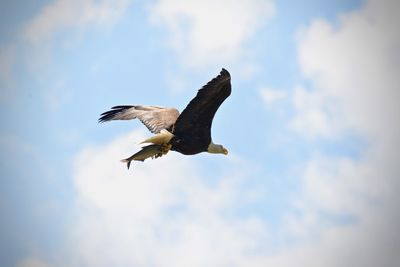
(271, 96)
(364, 192)
(344, 246)
(64, 14)
(357, 65)
(158, 213)
(315, 114)
(355, 69)
(161, 213)
(204, 33)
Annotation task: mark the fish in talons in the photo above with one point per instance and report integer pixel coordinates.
(150, 151)
(159, 147)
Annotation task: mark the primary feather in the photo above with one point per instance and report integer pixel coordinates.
(196, 119)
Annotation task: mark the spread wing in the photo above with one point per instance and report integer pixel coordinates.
(153, 117)
(196, 119)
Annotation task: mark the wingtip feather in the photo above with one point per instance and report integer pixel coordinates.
(225, 73)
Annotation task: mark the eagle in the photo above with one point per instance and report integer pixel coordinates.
(188, 132)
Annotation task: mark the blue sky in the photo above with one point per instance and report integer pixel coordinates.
(311, 127)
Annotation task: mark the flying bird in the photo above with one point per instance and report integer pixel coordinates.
(188, 132)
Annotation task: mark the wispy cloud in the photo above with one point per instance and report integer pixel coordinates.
(7, 61)
(57, 95)
(34, 50)
(66, 14)
(315, 115)
(271, 96)
(32, 262)
(204, 33)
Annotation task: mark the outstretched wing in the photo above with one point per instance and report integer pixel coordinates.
(196, 119)
(153, 117)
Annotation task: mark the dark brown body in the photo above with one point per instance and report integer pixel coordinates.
(189, 145)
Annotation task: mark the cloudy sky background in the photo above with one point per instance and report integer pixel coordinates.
(312, 127)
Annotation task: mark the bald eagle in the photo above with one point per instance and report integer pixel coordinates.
(188, 132)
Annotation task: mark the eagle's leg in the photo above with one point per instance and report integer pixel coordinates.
(164, 150)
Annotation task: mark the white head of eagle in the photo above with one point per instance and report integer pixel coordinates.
(188, 132)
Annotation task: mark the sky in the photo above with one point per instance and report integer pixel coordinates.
(312, 128)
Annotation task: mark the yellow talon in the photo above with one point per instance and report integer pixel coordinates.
(165, 148)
